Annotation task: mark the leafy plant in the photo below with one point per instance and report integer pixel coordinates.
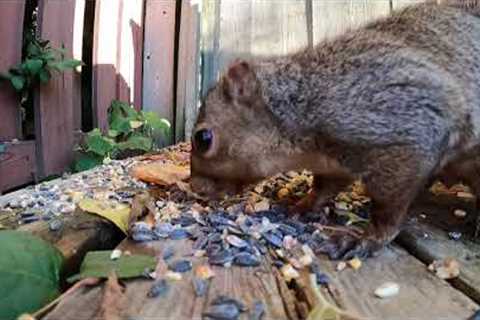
(29, 273)
(40, 62)
(129, 131)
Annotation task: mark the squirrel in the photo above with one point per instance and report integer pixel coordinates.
(393, 104)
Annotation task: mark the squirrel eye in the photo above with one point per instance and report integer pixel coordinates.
(203, 140)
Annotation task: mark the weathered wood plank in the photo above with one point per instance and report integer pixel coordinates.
(399, 4)
(210, 34)
(158, 60)
(105, 50)
(137, 29)
(279, 27)
(11, 28)
(129, 55)
(422, 295)
(188, 71)
(54, 103)
(180, 302)
(235, 26)
(17, 165)
(428, 240)
(334, 17)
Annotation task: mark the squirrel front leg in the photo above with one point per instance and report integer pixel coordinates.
(392, 178)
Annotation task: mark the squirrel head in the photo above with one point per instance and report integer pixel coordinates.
(234, 135)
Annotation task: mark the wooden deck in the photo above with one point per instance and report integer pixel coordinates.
(422, 295)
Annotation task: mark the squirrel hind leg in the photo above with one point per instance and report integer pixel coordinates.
(324, 188)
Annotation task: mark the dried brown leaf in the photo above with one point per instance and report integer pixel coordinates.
(164, 174)
(114, 300)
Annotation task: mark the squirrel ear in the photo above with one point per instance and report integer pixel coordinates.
(240, 82)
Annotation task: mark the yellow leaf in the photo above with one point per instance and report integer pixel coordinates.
(117, 213)
(136, 124)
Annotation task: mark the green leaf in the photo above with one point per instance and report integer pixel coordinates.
(87, 161)
(44, 75)
(120, 115)
(18, 82)
(113, 133)
(157, 126)
(33, 65)
(98, 264)
(121, 125)
(123, 110)
(99, 144)
(29, 273)
(136, 143)
(135, 124)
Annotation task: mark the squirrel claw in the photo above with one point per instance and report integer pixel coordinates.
(347, 247)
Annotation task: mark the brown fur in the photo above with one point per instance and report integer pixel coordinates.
(392, 104)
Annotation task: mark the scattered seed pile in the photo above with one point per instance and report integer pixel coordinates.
(51, 200)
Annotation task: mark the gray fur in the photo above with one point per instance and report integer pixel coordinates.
(393, 103)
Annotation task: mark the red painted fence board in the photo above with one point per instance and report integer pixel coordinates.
(54, 102)
(17, 164)
(11, 27)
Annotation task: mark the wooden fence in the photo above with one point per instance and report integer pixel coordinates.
(134, 49)
(159, 55)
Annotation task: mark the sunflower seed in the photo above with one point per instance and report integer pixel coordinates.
(159, 288)
(222, 299)
(236, 241)
(272, 239)
(227, 311)
(200, 286)
(200, 243)
(178, 234)
(163, 230)
(168, 252)
(180, 266)
(246, 259)
(221, 258)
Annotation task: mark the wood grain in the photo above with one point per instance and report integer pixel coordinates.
(54, 102)
(246, 284)
(17, 165)
(333, 18)
(105, 49)
(429, 243)
(11, 28)
(158, 60)
(188, 71)
(422, 295)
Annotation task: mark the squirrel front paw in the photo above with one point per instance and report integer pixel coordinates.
(348, 246)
